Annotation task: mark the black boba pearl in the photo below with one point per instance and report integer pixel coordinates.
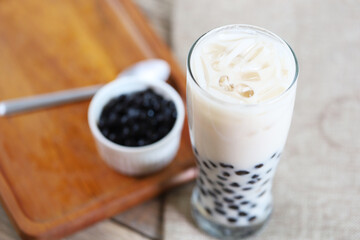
(244, 202)
(247, 189)
(203, 192)
(232, 220)
(226, 174)
(234, 184)
(235, 207)
(228, 200)
(221, 178)
(224, 165)
(243, 214)
(210, 181)
(105, 132)
(227, 190)
(206, 165)
(220, 211)
(251, 182)
(265, 182)
(220, 183)
(255, 176)
(130, 122)
(239, 197)
(273, 155)
(201, 181)
(208, 210)
(213, 164)
(251, 219)
(262, 194)
(217, 191)
(253, 206)
(203, 172)
(241, 172)
(212, 194)
(218, 204)
(259, 165)
(268, 171)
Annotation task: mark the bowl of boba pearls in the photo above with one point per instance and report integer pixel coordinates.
(136, 124)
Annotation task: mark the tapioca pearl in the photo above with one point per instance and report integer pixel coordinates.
(196, 151)
(241, 172)
(212, 194)
(227, 190)
(262, 194)
(239, 197)
(203, 191)
(232, 220)
(221, 178)
(272, 156)
(259, 165)
(208, 210)
(209, 181)
(201, 181)
(255, 176)
(234, 207)
(244, 203)
(212, 164)
(220, 183)
(217, 191)
(253, 205)
(226, 174)
(206, 165)
(203, 172)
(218, 204)
(247, 189)
(224, 165)
(234, 184)
(220, 211)
(228, 200)
(242, 214)
(268, 171)
(251, 182)
(266, 181)
(251, 219)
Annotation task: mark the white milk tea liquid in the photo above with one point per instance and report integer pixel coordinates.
(240, 97)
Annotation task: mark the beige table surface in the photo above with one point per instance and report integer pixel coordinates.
(317, 185)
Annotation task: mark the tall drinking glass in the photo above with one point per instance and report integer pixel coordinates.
(241, 84)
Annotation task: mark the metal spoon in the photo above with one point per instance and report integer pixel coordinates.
(152, 69)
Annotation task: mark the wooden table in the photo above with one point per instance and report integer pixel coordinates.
(317, 186)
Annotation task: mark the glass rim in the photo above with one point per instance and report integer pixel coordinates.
(258, 29)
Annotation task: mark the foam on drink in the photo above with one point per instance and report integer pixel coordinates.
(242, 66)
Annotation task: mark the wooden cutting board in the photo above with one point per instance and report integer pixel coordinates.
(52, 181)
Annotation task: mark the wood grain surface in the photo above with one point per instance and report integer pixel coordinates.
(52, 181)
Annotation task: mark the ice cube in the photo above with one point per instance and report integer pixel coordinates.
(224, 82)
(244, 90)
(215, 66)
(251, 76)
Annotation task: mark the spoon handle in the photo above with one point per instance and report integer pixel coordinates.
(18, 105)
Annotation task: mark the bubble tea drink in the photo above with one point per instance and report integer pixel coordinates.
(241, 83)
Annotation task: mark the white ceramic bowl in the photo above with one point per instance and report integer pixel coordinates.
(143, 160)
